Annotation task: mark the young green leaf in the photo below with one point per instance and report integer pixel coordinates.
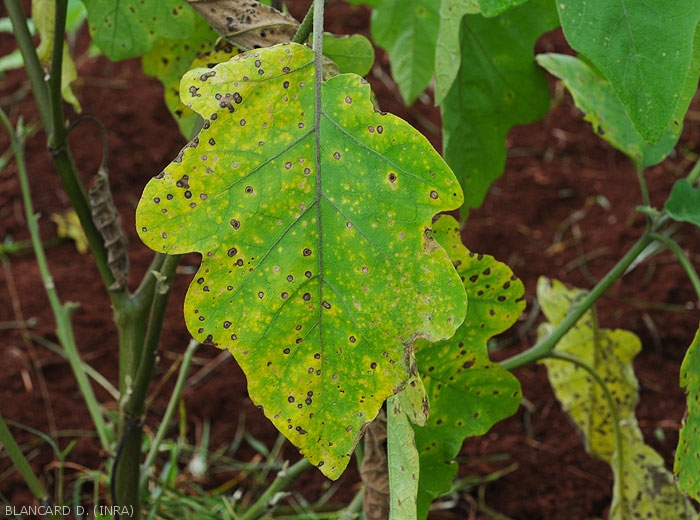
(643, 487)
(128, 28)
(596, 97)
(498, 86)
(687, 464)
(468, 393)
(684, 202)
(408, 29)
(319, 269)
(645, 49)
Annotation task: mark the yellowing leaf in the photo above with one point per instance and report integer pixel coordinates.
(319, 269)
(69, 227)
(643, 487)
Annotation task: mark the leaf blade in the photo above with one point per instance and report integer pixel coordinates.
(307, 268)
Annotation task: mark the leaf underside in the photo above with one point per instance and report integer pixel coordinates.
(687, 464)
(318, 267)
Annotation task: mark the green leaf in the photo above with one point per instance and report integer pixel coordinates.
(318, 268)
(499, 86)
(687, 464)
(352, 54)
(645, 49)
(468, 393)
(643, 487)
(684, 202)
(408, 29)
(594, 95)
(403, 460)
(128, 28)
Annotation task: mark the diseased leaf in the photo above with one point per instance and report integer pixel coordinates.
(687, 464)
(594, 95)
(129, 28)
(248, 25)
(643, 487)
(318, 268)
(684, 202)
(403, 460)
(352, 54)
(468, 393)
(609, 352)
(645, 49)
(68, 226)
(408, 29)
(498, 86)
(169, 59)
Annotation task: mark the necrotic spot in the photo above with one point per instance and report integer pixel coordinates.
(306, 252)
(306, 297)
(433, 194)
(235, 223)
(232, 251)
(380, 129)
(336, 155)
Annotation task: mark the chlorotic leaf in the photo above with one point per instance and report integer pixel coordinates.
(687, 464)
(498, 86)
(128, 28)
(609, 352)
(684, 202)
(468, 393)
(643, 487)
(403, 461)
(648, 489)
(644, 49)
(408, 29)
(319, 269)
(352, 54)
(594, 95)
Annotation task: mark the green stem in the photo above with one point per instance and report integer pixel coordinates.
(305, 28)
(136, 398)
(620, 482)
(35, 71)
(284, 479)
(694, 173)
(169, 411)
(682, 258)
(22, 464)
(355, 507)
(57, 129)
(62, 313)
(545, 347)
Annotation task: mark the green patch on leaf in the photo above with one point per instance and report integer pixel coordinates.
(645, 49)
(687, 464)
(596, 97)
(408, 29)
(643, 487)
(684, 202)
(319, 269)
(468, 393)
(129, 28)
(498, 86)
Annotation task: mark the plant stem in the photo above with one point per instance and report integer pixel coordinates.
(22, 464)
(285, 478)
(694, 173)
(545, 347)
(682, 258)
(620, 483)
(169, 411)
(62, 313)
(35, 72)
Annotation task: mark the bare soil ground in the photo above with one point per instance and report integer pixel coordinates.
(565, 208)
